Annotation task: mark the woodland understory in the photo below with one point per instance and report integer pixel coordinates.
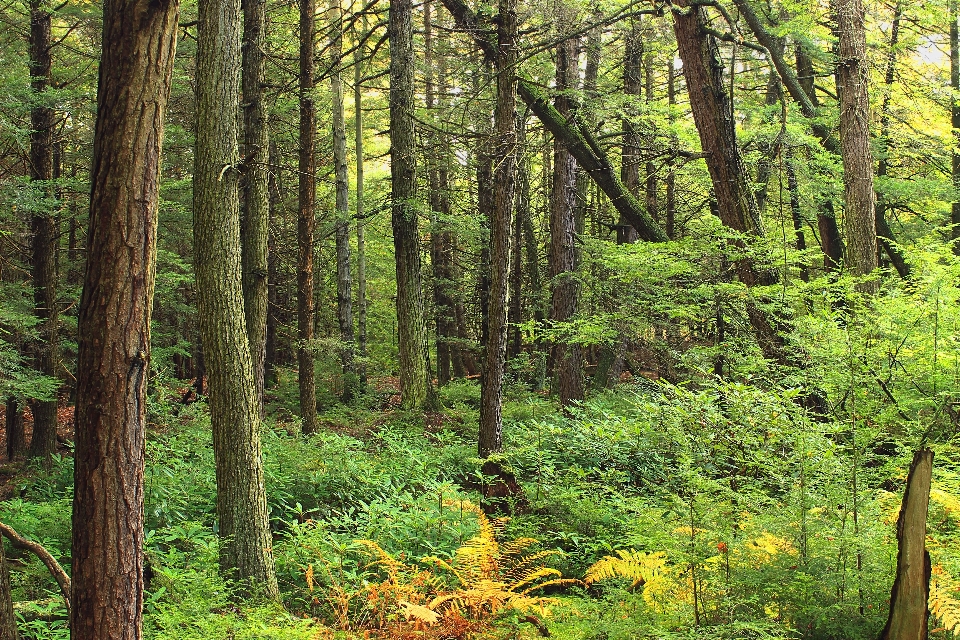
(588, 320)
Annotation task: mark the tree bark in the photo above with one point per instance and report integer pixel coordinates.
(16, 438)
(415, 388)
(306, 218)
(361, 240)
(44, 228)
(566, 357)
(139, 43)
(955, 125)
(246, 548)
(351, 385)
(504, 179)
(911, 587)
(859, 216)
(630, 162)
(256, 189)
(8, 621)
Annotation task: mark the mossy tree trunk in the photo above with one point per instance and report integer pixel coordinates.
(246, 549)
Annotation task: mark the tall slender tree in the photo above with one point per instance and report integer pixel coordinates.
(415, 388)
(256, 188)
(246, 550)
(306, 217)
(139, 42)
(955, 123)
(358, 197)
(44, 228)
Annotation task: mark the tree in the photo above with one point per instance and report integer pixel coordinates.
(256, 192)
(245, 552)
(306, 217)
(415, 387)
(955, 124)
(139, 42)
(504, 179)
(44, 228)
(859, 220)
(8, 621)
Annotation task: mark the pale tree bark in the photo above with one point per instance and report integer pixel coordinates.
(566, 357)
(246, 546)
(139, 43)
(351, 385)
(306, 218)
(415, 388)
(255, 222)
(361, 240)
(44, 228)
(504, 179)
(859, 220)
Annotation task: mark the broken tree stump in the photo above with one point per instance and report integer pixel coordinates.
(911, 587)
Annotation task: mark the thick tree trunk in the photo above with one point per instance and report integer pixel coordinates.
(44, 228)
(504, 180)
(415, 388)
(911, 588)
(796, 215)
(859, 216)
(139, 42)
(344, 275)
(16, 438)
(566, 357)
(246, 545)
(256, 189)
(8, 621)
(306, 218)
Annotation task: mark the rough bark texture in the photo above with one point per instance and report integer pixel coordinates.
(504, 179)
(859, 221)
(44, 229)
(8, 622)
(16, 438)
(344, 274)
(246, 549)
(566, 358)
(256, 188)
(630, 162)
(415, 386)
(911, 587)
(139, 42)
(306, 218)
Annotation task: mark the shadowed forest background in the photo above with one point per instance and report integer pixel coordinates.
(597, 320)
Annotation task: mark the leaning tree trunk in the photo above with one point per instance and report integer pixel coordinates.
(306, 218)
(504, 179)
(415, 389)
(139, 43)
(859, 219)
(256, 189)
(246, 545)
(44, 227)
(344, 275)
(911, 588)
(566, 357)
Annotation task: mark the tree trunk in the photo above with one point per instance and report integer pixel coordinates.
(139, 43)
(246, 545)
(361, 244)
(653, 204)
(504, 180)
(566, 358)
(8, 621)
(630, 162)
(256, 189)
(16, 438)
(670, 222)
(306, 218)
(911, 588)
(796, 215)
(270, 342)
(859, 216)
(44, 228)
(415, 388)
(344, 276)
(955, 125)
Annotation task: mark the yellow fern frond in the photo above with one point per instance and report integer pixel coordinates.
(383, 558)
(532, 577)
(634, 565)
(419, 612)
(943, 605)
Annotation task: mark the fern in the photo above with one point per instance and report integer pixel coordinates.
(636, 566)
(943, 605)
